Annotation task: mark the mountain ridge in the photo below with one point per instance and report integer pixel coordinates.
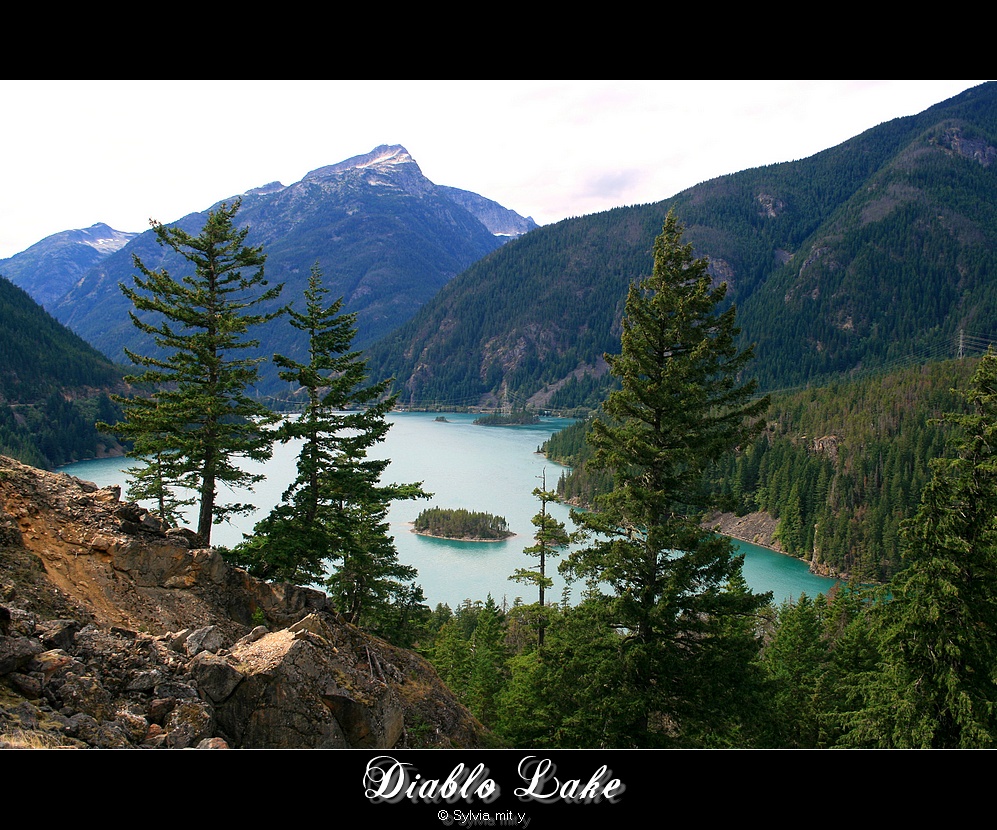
(48, 269)
(385, 236)
(531, 321)
(818, 255)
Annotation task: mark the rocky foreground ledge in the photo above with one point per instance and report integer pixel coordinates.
(116, 631)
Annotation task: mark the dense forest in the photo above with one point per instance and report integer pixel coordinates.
(868, 253)
(53, 386)
(668, 647)
(840, 465)
(907, 665)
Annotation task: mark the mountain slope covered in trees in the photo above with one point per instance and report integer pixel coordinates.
(872, 250)
(840, 466)
(53, 386)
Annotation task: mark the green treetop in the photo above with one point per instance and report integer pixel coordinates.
(199, 424)
(549, 539)
(333, 513)
(937, 683)
(672, 589)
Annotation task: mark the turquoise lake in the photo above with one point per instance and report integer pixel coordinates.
(479, 468)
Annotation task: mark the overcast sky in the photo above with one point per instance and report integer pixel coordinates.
(122, 152)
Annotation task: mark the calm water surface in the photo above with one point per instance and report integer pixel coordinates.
(486, 469)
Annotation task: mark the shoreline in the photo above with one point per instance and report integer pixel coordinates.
(458, 538)
(755, 528)
(759, 529)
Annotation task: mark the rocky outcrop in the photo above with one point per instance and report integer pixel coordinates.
(759, 528)
(827, 445)
(116, 631)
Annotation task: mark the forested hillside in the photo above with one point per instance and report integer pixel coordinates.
(529, 317)
(536, 312)
(901, 269)
(843, 465)
(840, 466)
(867, 252)
(52, 386)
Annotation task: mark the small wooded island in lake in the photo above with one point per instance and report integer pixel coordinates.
(519, 417)
(466, 525)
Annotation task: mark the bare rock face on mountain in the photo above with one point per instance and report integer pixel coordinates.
(116, 631)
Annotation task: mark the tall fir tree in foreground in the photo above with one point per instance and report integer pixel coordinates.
(333, 515)
(669, 590)
(937, 630)
(550, 538)
(199, 424)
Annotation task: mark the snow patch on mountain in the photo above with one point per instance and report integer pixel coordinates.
(105, 239)
(384, 156)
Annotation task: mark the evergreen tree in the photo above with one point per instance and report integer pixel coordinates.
(852, 659)
(368, 584)
(937, 631)
(405, 620)
(150, 483)
(488, 663)
(670, 588)
(333, 513)
(452, 656)
(577, 689)
(795, 660)
(521, 718)
(549, 539)
(199, 424)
